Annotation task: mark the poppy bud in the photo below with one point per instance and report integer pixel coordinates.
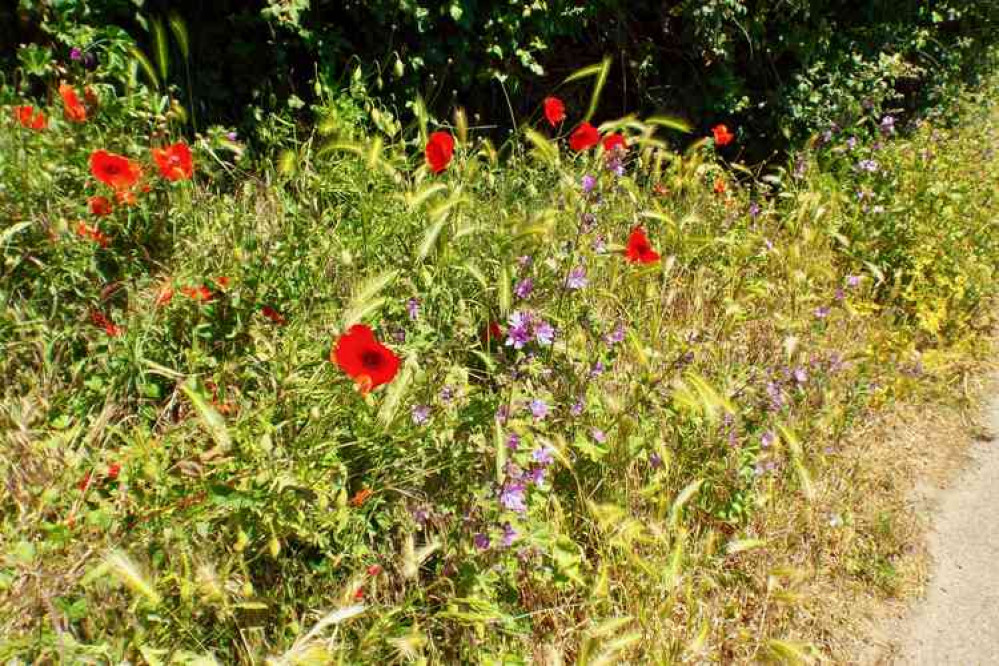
(274, 547)
(398, 69)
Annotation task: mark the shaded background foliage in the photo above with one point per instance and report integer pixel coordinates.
(778, 68)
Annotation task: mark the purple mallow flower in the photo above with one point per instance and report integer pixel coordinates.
(519, 330)
(524, 288)
(536, 476)
(852, 281)
(539, 409)
(597, 369)
(754, 210)
(887, 125)
(821, 312)
(655, 461)
(231, 136)
(870, 166)
(512, 497)
(616, 336)
(577, 408)
(767, 439)
(543, 455)
(420, 414)
(447, 394)
(800, 375)
(509, 535)
(589, 182)
(76, 54)
(413, 308)
(598, 435)
(481, 541)
(544, 333)
(576, 279)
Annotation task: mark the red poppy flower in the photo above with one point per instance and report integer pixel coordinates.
(639, 249)
(359, 594)
(114, 470)
(360, 497)
(439, 151)
(119, 172)
(201, 294)
(73, 109)
(174, 161)
(84, 230)
(491, 332)
(612, 141)
(660, 190)
(222, 281)
(722, 136)
(99, 206)
(720, 186)
(101, 320)
(273, 315)
(29, 118)
(84, 482)
(584, 137)
(554, 110)
(374, 569)
(164, 296)
(364, 359)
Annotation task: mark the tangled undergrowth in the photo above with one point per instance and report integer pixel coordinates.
(436, 401)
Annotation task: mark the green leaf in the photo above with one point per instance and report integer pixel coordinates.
(210, 419)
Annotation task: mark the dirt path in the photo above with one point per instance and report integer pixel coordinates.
(958, 621)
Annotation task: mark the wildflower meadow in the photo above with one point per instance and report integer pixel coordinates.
(590, 390)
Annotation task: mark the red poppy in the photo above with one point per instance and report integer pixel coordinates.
(639, 250)
(29, 118)
(174, 161)
(84, 482)
(119, 172)
(222, 281)
(125, 197)
(84, 230)
(584, 137)
(554, 110)
(722, 136)
(73, 109)
(360, 497)
(359, 594)
(273, 315)
(439, 151)
(164, 296)
(660, 190)
(491, 332)
(364, 359)
(720, 186)
(114, 470)
(101, 320)
(201, 294)
(374, 569)
(99, 206)
(612, 141)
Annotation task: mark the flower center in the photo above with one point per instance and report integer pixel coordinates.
(371, 359)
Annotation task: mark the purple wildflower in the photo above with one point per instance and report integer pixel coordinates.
(519, 330)
(655, 461)
(420, 414)
(839, 294)
(231, 136)
(513, 441)
(616, 336)
(821, 312)
(543, 456)
(587, 221)
(599, 245)
(852, 281)
(536, 476)
(544, 333)
(512, 497)
(887, 125)
(76, 54)
(754, 210)
(851, 143)
(776, 396)
(598, 435)
(576, 279)
(524, 288)
(503, 413)
(447, 394)
(413, 308)
(800, 375)
(589, 182)
(767, 439)
(870, 166)
(597, 369)
(577, 408)
(481, 541)
(509, 535)
(524, 260)
(539, 409)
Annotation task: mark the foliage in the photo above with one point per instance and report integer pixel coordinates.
(633, 463)
(780, 69)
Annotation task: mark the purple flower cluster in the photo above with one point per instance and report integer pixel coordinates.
(576, 279)
(413, 309)
(870, 166)
(524, 288)
(420, 414)
(524, 327)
